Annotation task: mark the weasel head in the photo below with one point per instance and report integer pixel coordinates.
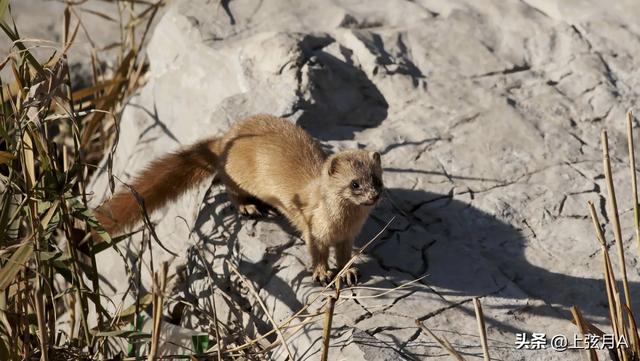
(354, 176)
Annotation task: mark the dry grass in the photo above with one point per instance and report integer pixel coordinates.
(621, 315)
(51, 139)
(442, 341)
(446, 345)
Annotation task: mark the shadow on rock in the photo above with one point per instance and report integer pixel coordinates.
(343, 99)
(224, 238)
(469, 253)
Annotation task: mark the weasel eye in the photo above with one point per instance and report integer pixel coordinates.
(355, 185)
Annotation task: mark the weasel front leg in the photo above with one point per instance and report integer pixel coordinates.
(343, 255)
(319, 260)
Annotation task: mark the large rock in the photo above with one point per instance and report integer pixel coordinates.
(488, 115)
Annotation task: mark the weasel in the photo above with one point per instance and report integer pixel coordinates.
(265, 159)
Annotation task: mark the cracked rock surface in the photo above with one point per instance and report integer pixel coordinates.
(487, 115)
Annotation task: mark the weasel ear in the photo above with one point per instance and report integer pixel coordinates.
(375, 156)
(333, 165)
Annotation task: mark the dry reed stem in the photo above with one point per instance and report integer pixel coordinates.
(608, 271)
(159, 287)
(326, 330)
(590, 328)
(481, 328)
(444, 343)
(633, 328)
(264, 308)
(611, 292)
(613, 206)
(579, 321)
(596, 225)
(634, 179)
(621, 327)
(636, 210)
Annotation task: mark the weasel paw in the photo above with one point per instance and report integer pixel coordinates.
(350, 277)
(322, 276)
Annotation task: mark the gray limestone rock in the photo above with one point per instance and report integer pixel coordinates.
(487, 114)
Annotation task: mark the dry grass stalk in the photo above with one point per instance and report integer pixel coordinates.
(328, 319)
(385, 291)
(444, 343)
(482, 332)
(326, 330)
(621, 327)
(610, 285)
(622, 320)
(633, 329)
(613, 209)
(579, 321)
(636, 210)
(634, 179)
(481, 328)
(159, 289)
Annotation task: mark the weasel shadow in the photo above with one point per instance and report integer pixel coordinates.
(468, 253)
(345, 100)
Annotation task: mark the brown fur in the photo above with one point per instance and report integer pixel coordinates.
(278, 163)
(163, 180)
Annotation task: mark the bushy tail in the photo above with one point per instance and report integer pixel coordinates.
(164, 180)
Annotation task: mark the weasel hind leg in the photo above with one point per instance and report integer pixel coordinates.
(247, 204)
(253, 208)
